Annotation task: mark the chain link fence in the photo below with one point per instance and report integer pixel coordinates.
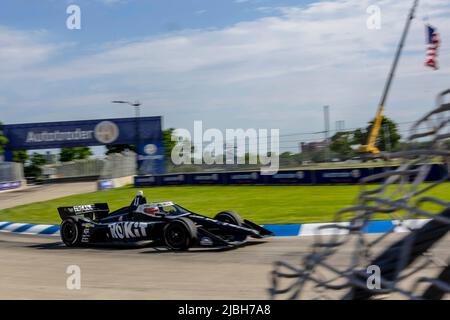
(119, 165)
(74, 169)
(115, 165)
(11, 171)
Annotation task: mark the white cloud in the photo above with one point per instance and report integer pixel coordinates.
(276, 71)
(20, 50)
(200, 12)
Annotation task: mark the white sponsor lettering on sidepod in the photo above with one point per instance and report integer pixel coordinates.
(85, 207)
(127, 230)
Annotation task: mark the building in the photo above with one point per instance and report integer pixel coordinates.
(313, 146)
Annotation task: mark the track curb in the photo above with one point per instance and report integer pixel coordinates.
(280, 230)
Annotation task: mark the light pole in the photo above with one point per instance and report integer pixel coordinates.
(326, 120)
(137, 115)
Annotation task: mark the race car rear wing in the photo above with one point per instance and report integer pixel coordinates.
(99, 210)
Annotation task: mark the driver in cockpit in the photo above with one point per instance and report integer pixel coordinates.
(137, 201)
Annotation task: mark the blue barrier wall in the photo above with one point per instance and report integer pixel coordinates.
(7, 185)
(283, 177)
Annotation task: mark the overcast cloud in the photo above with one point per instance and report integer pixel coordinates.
(272, 72)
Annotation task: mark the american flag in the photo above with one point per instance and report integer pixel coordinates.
(432, 48)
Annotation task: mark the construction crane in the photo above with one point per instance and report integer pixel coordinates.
(374, 132)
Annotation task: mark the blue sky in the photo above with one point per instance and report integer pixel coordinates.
(232, 64)
(112, 20)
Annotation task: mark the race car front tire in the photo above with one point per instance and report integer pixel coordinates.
(70, 233)
(180, 234)
(231, 217)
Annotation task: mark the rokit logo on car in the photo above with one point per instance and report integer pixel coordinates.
(128, 230)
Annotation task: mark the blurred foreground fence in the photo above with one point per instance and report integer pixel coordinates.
(283, 177)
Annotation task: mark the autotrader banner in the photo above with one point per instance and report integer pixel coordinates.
(47, 135)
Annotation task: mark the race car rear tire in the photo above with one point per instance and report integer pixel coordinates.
(180, 234)
(70, 233)
(231, 217)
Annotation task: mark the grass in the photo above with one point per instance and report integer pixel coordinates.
(262, 204)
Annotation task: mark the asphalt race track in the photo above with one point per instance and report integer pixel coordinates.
(30, 194)
(35, 268)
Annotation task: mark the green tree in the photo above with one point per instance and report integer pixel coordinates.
(168, 143)
(34, 168)
(388, 137)
(37, 159)
(77, 153)
(118, 148)
(359, 136)
(341, 144)
(287, 159)
(20, 156)
(3, 140)
(319, 156)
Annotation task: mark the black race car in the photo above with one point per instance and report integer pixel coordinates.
(163, 223)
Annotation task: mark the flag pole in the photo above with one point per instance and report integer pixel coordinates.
(370, 146)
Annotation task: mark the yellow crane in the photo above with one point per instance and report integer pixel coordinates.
(372, 139)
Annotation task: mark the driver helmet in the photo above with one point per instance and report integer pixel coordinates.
(151, 210)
